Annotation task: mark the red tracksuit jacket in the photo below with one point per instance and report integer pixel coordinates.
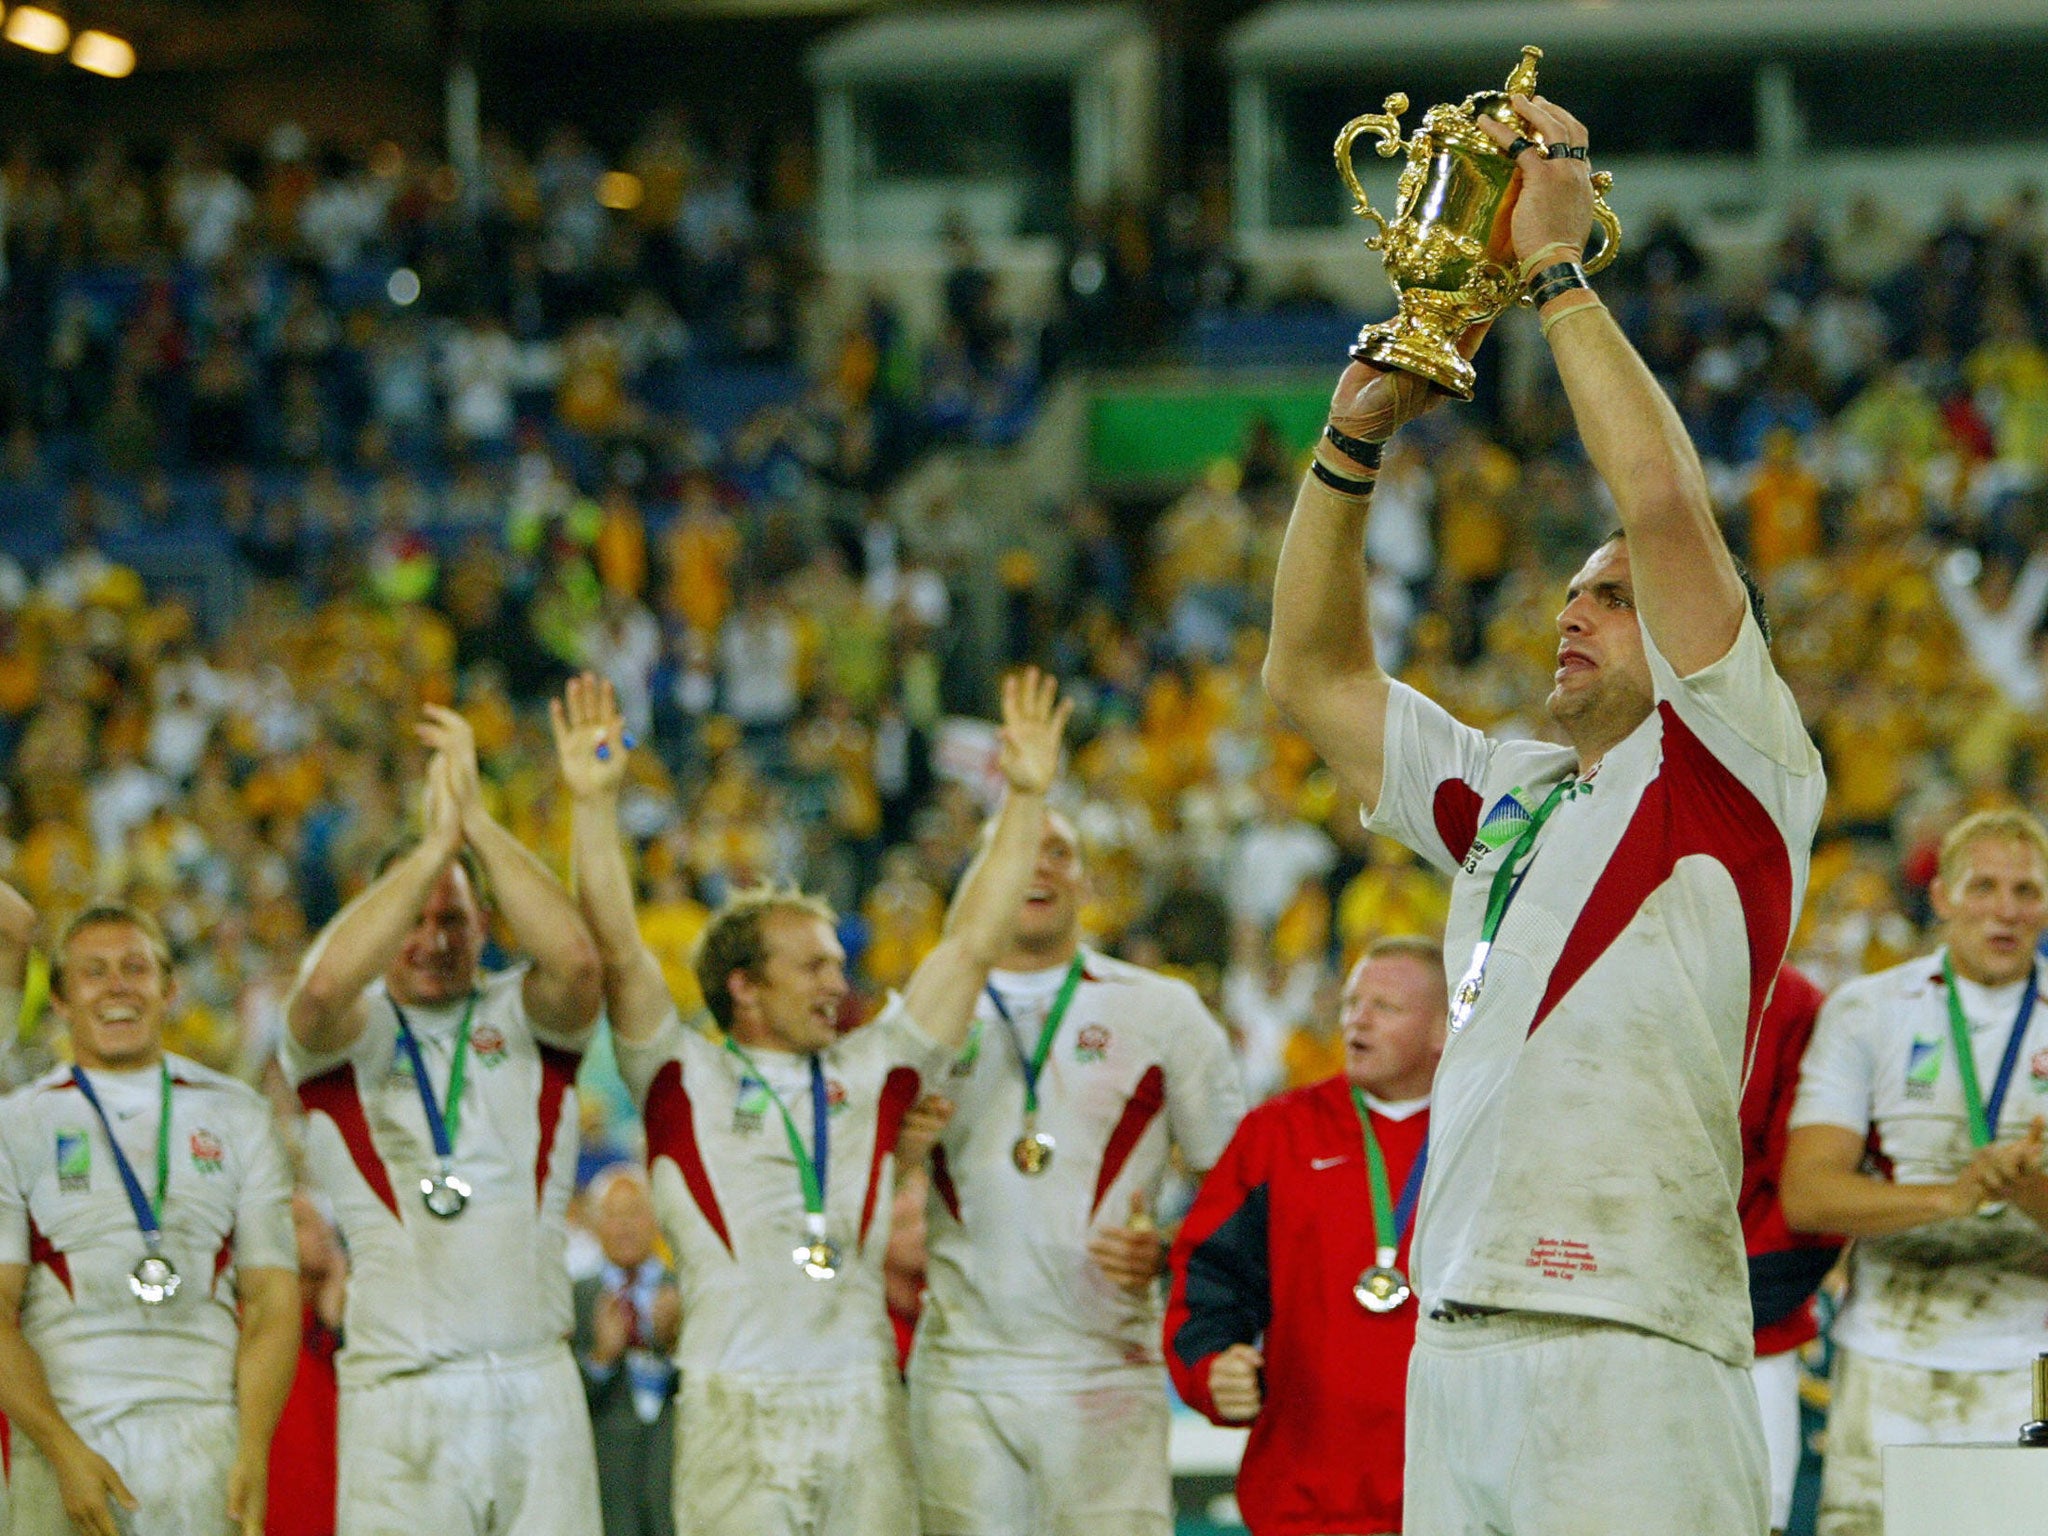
(1280, 1231)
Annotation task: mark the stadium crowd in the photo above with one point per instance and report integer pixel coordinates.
(463, 442)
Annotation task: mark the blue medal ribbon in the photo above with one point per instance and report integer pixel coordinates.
(147, 1216)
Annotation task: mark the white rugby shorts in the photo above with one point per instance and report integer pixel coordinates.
(498, 1445)
(773, 1455)
(1043, 1460)
(175, 1458)
(1528, 1424)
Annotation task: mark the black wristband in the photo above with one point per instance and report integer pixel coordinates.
(1559, 278)
(1343, 485)
(1367, 454)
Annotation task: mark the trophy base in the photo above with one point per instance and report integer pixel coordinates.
(1402, 345)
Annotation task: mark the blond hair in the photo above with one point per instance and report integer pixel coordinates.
(110, 914)
(736, 939)
(2005, 824)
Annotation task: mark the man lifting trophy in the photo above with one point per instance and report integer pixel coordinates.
(1447, 250)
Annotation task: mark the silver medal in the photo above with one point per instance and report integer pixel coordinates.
(1381, 1288)
(445, 1196)
(154, 1281)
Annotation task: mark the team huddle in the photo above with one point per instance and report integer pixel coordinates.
(1495, 1277)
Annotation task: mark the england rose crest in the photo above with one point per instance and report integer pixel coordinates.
(1092, 1043)
(207, 1151)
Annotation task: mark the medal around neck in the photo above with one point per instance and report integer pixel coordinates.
(1033, 1150)
(445, 1195)
(1382, 1288)
(816, 1256)
(154, 1281)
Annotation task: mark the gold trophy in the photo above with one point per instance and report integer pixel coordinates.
(1448, 251)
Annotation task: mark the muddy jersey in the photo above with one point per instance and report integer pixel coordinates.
(1137, 1067)
(65, 1214)
(730, 1198)
(1585, 1155)
(1969, 1294)
(423, 1291)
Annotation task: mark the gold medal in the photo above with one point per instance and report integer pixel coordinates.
(819, 1259)
(1032, 1153)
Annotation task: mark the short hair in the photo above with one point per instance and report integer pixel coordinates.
(108, 913)
(2003, 824)
(465, 855)
(1411, 946)
(1743, 573)
(736, 939)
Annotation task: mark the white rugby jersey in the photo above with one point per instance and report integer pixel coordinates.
(421, 1290)
(1963, 1295)
(64, 1213)
(730, 1199)
(1584, 1152)
(1012, 1292)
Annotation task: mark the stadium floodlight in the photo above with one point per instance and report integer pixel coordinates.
(40, 31)
(102, 53)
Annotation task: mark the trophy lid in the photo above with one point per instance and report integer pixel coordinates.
(1521, 82)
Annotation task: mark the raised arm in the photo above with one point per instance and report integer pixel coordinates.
(325, 1009)
(565, 985)
(942, 991)
(590, 745)
(17, 933)
(1686, 588)
(1321, 670)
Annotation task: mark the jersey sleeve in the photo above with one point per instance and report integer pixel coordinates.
(1741, 709)
(264, 1235)
(641, 1061)
(1432, 782)
(1838, 1075)
(13, 1196)
(1220, 1290)
(1204, 1090)
(902, 1039)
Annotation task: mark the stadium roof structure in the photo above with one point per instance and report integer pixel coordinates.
(1054, 42)
(1332, 35)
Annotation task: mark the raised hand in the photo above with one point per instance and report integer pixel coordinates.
(590, 737)
(440, 815)
(1234, 1383)
(449, 735)
(1034, 721)
(1555, 207)
(1372, 404)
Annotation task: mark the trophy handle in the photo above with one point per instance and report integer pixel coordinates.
(1387, 125)
(1610, 226)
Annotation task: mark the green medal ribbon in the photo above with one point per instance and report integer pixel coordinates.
(1034, 1064)
(1388, 1220)
(1500, 895)
(810, 1167)
(1507, 880)
(1983, 1117)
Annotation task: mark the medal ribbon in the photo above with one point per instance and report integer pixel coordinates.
(1984, 1116)
(148, 1216)
(811, 1169)
(1507, 880)
(1034, 1064)
(1389, 1221)
(441, 1124)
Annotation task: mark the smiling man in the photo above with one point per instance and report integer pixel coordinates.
(771, 1146)
(441, 1121)
(1290, 1309)
(1918, 1132)
(149, 1297)
(1620, 906)
(1036, 1393)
